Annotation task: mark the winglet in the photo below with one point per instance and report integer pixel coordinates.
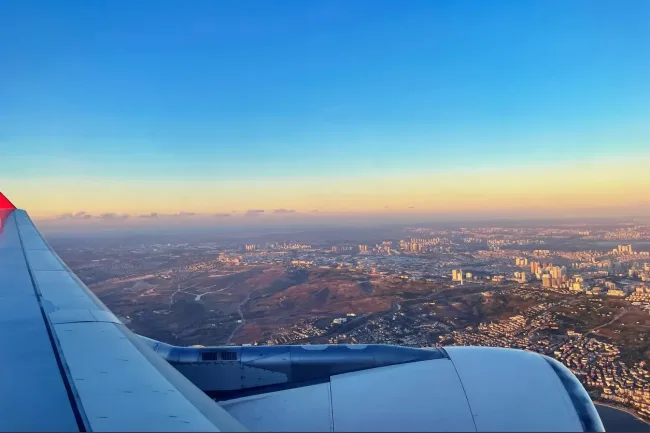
(5, 203)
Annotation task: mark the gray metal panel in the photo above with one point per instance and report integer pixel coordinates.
(22, 219)
(62, 291)
(513, 390)
(20, 310)
(71, 316)
(43, 260)
(15, 276)
(215, 413)
(257, 366)
(418, 396)
(105, 316)
(118, 387)
(32, 395)
(299, 409)
(32, 392)
(82, 315)
(12, 259)
(225, 375)
(31, 239)
(14, 282)
(9, 238)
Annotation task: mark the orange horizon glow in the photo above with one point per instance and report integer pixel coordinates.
(549, 189)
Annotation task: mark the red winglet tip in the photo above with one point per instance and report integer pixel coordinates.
(5, 203)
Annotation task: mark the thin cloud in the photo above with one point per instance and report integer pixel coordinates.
(314, 210)
(113, 216)
(284, 210)
(168, 215)
(411, 207)
(221, 215)
(81, 215)
(254, 212)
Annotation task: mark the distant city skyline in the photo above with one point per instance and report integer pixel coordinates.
(391, 109)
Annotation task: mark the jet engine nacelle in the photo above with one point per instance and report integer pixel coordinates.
(472, 389)
(387, 388)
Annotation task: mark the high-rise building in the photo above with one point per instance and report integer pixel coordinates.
(534, 267)
(624, 249)
(363, 248)
(546, 280)
(455, 275)
(556, 272)
(523, 277)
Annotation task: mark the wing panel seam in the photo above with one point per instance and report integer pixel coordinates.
(76, 407)
(329, 394)
(471, 412)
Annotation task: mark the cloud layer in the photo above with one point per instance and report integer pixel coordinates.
(114, 216)
(254, 212)
(83, 215)
(168, 215)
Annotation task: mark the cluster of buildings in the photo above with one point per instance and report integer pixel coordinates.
(283, 246)
(300, 331)
(599, 367)
(640, 295)
(623, 249)
(223, 258)
(278, 246)
(301, 263)
(304, 331)
(419, 245)
(395, 328)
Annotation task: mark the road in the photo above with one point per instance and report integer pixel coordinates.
(618, 315)
(241, 317)
(171, 298)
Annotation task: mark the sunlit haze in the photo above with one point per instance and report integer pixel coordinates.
(130, 113)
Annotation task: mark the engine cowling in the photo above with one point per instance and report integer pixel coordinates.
(473, 389)
(388, 388)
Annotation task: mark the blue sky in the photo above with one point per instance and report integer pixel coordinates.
(266, 89)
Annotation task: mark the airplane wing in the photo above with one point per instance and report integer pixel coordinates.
(68, 364)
